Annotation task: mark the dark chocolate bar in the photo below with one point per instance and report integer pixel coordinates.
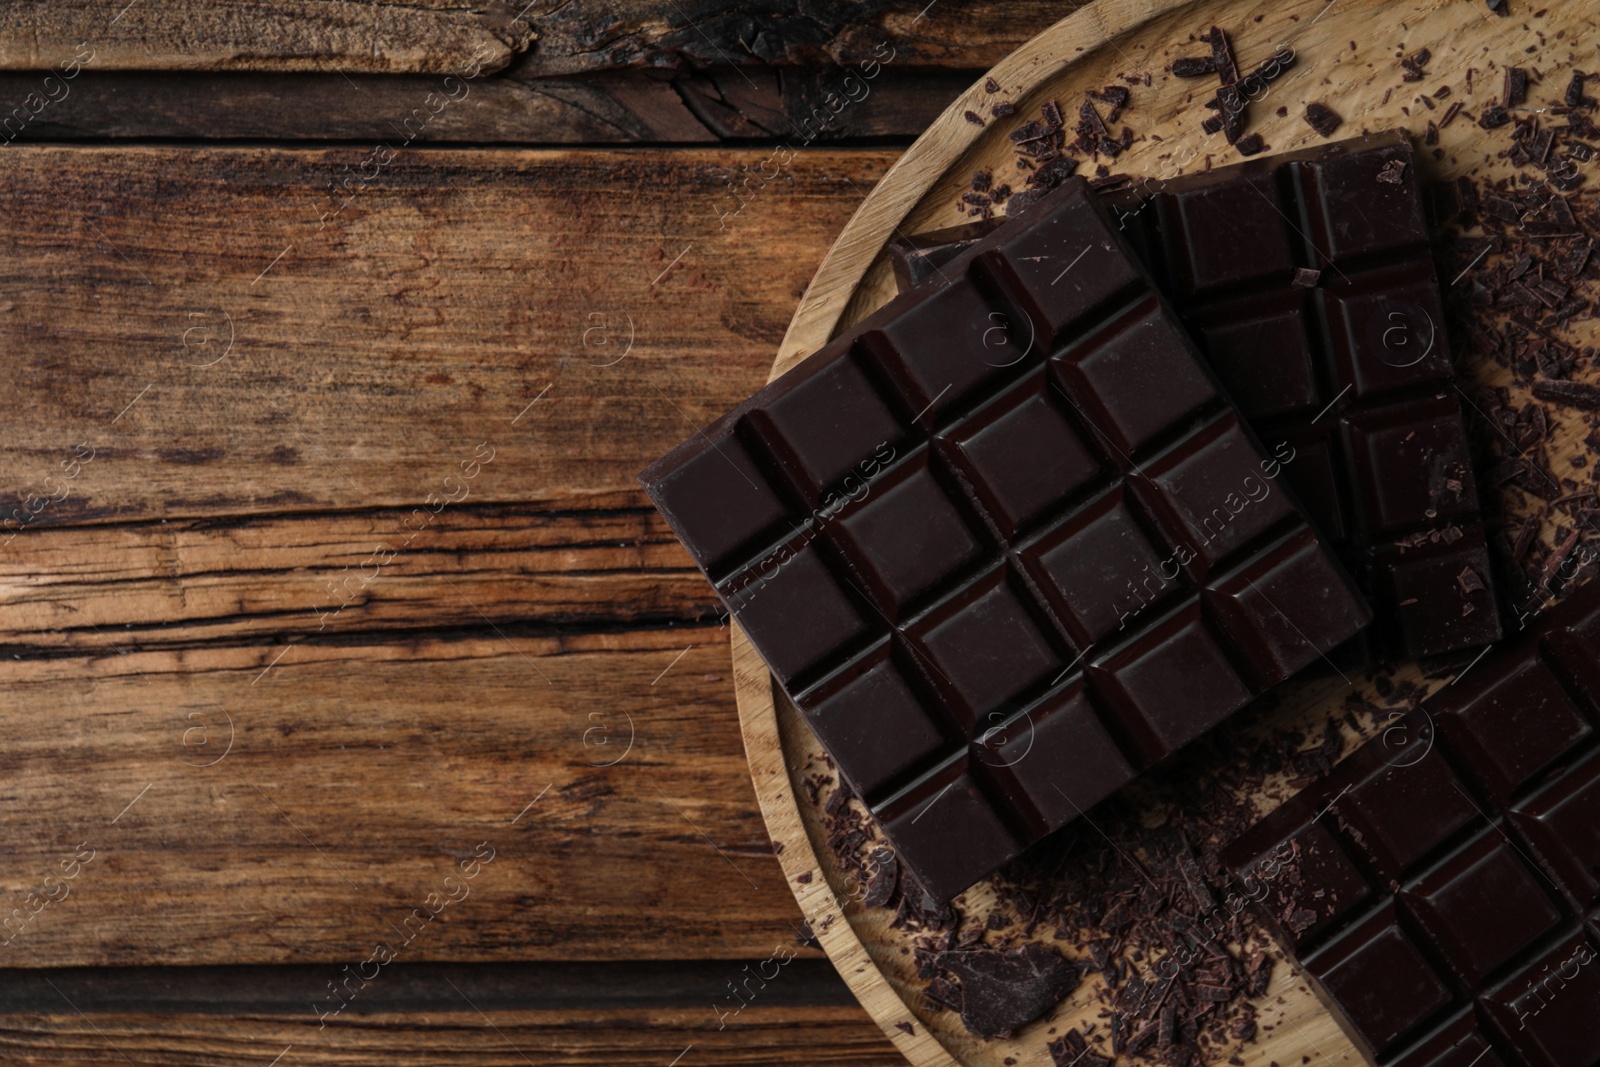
(1443, 884)
(1005, 543)
(1308, 282)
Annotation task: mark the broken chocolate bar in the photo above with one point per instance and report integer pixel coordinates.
(1443, 883)
(1005, 543)
(1353, 373)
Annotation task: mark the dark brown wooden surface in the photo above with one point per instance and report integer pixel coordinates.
(287, 648)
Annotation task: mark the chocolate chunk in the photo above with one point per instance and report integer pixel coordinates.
(1494, 116)
(1250, 144)
(929, 530)
(1515, 90)
(1322, 118)
(991, 86)
(1461, 848)
(1004, 991)
(1499, 7)
(1574, 94)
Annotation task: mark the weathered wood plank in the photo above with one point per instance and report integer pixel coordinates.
(616, 107)
(571, 313)
(437, 36)
(567, 1038)
(632, 1013)
(302, 801)
(423, 36)
(184, 582)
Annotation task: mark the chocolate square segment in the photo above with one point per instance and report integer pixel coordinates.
(1056, 760)
(1561, 825)
(1408, 809)
(1172, 682)
(1412, 465)
(946, 829)
(1214, 492)
(1258, 598)
(1482, 906)
(1224, 231)
(949, 345)
(831, 419)
(1384, 985)
(1023, 456)
(943, 522)
(1519, 724)
(1259, 348)
(1547, 1010)
(984, 647)
(907, 534)
(872, 719)
(793, 609)
(1135, 378)
(1065, 264)
(1099, 567)
(1361, 203)
(1386, 330)
(718, 499)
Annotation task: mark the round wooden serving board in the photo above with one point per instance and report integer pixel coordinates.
(1347, 57)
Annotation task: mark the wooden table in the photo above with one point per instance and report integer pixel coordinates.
(359, 709)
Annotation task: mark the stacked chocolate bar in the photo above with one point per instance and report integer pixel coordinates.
(1307, 281)
(1007, 542)
(1443, 884)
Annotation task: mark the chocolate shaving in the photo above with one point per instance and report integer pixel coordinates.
(1572, 394)
(1515, 90)
(1194, 66)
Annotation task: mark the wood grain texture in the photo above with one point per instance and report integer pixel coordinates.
(566, 1038)
(571, 313)
(436, 36)
(1345, 55)
(420, 36)
(187, 582)
(611, 107)
(631, 1013)
(303, 801)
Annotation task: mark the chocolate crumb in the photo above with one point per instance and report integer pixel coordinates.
(1322, 118)
(973, 117)
(1499, 7)
(908, 1029)
(1306, 278)
(991, 86)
